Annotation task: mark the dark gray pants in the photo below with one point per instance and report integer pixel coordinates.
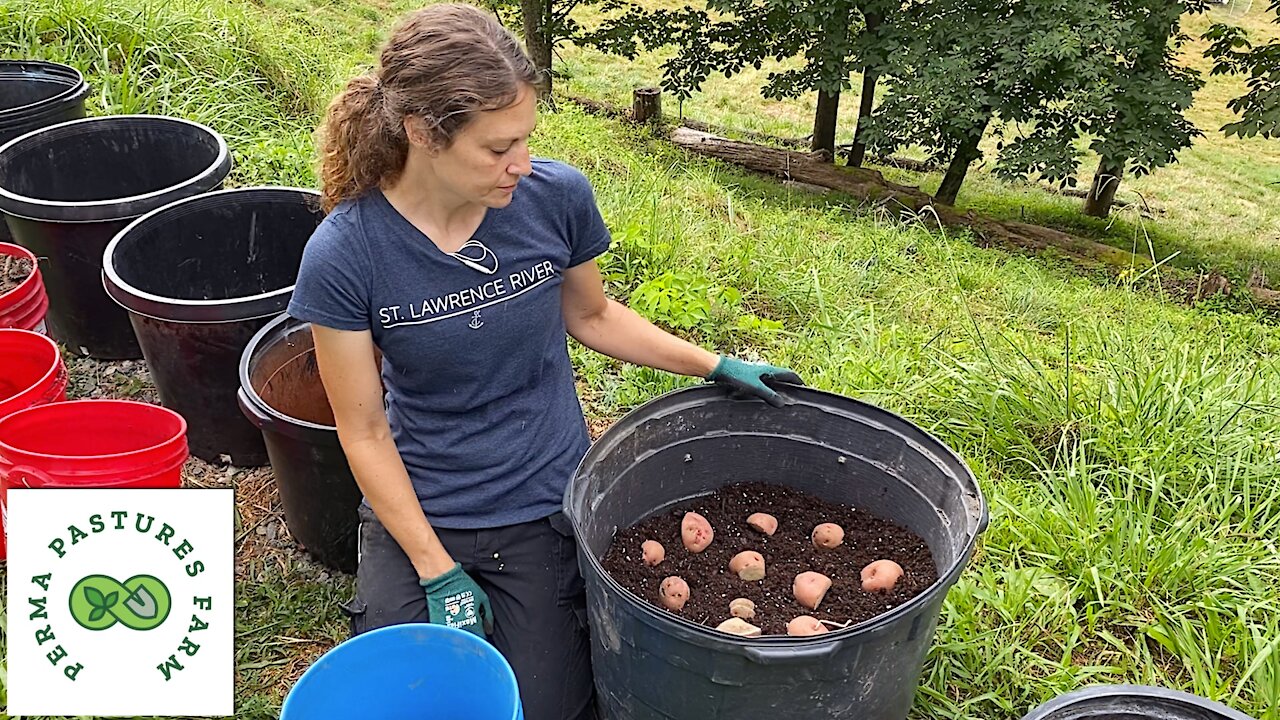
(530, 573)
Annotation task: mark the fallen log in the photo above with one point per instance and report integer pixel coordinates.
(812, 172)
(870, 186)
(598, 107)
(618, 112)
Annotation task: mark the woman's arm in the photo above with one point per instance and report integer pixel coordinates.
(609, 327)
(349, 371)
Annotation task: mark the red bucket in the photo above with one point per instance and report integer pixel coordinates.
(31, 371)
(25, 306)
(91, 444)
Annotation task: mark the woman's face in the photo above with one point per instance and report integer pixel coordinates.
(491, 153)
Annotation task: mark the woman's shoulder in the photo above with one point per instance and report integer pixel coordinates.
(346, 220)
(558, 174)
(338, 232)
(345, 215)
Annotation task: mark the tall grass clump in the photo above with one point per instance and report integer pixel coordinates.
(205, 61)
(1136, 512)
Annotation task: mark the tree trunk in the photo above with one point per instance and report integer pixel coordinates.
(959, 167)
(535, 16)
(824, 122)
(646, 105)
(1102, 194)
(858, 151)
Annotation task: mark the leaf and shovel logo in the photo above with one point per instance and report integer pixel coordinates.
(99, 602)
(122, 602)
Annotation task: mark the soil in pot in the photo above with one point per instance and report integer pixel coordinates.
(13, 270)
(787, 553)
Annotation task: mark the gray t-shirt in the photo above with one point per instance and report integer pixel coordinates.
(479, 389)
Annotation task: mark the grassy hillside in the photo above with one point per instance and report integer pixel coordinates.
(1127, 445)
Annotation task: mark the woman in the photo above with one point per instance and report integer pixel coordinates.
(465, 262)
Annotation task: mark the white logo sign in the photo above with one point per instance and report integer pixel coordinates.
(476, 256)
(120, 602)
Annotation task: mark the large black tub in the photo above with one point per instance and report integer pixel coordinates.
(69, 188)
(651, 664)
(281, 393)
(1132, 702)
(35, 94)
(199, 277)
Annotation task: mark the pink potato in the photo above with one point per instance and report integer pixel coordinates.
(809, 588)
(828, 536)
(763, 522)
(675, 593)
(695, 532)
(742, 608)
(738, 626)
(804, 626)
(748, 565)
(653, 551)
(881, 576)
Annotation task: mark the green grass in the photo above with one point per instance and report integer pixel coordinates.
(1127, 445)
(1219, 206)
(283, 620)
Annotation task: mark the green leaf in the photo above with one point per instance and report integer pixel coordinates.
(94, 596)
(97, 613)
(111, 600)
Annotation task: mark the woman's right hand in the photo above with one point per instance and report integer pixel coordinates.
(349, 371)
(455, 600)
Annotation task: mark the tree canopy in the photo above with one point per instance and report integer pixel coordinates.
(1259, 108)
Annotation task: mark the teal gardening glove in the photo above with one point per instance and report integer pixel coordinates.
(749, 377)
(456, 601)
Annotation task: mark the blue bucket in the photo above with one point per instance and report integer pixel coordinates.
(415, 671)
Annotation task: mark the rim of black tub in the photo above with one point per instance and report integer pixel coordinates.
(281, 325)
(1105, 701)
(115, 208)
(74, 89)
(759, 648)
(160, 307)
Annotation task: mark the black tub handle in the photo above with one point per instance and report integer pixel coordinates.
(260, 420)
(765, 655)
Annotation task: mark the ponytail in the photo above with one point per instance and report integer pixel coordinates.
(361, 145)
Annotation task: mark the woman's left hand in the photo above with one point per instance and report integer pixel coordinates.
(750, 377)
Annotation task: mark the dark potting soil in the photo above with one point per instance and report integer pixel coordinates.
(787, 553)
(13, 270)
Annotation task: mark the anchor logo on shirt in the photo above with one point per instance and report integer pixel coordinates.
(476, 322)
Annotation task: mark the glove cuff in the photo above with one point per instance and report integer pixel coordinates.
(719, 368)
(442, 578)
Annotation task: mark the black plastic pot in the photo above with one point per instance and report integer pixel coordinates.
(649, 663)
(35, 94)
(281, 393)
(69, 188)
(1132, 702)
(199, 277)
